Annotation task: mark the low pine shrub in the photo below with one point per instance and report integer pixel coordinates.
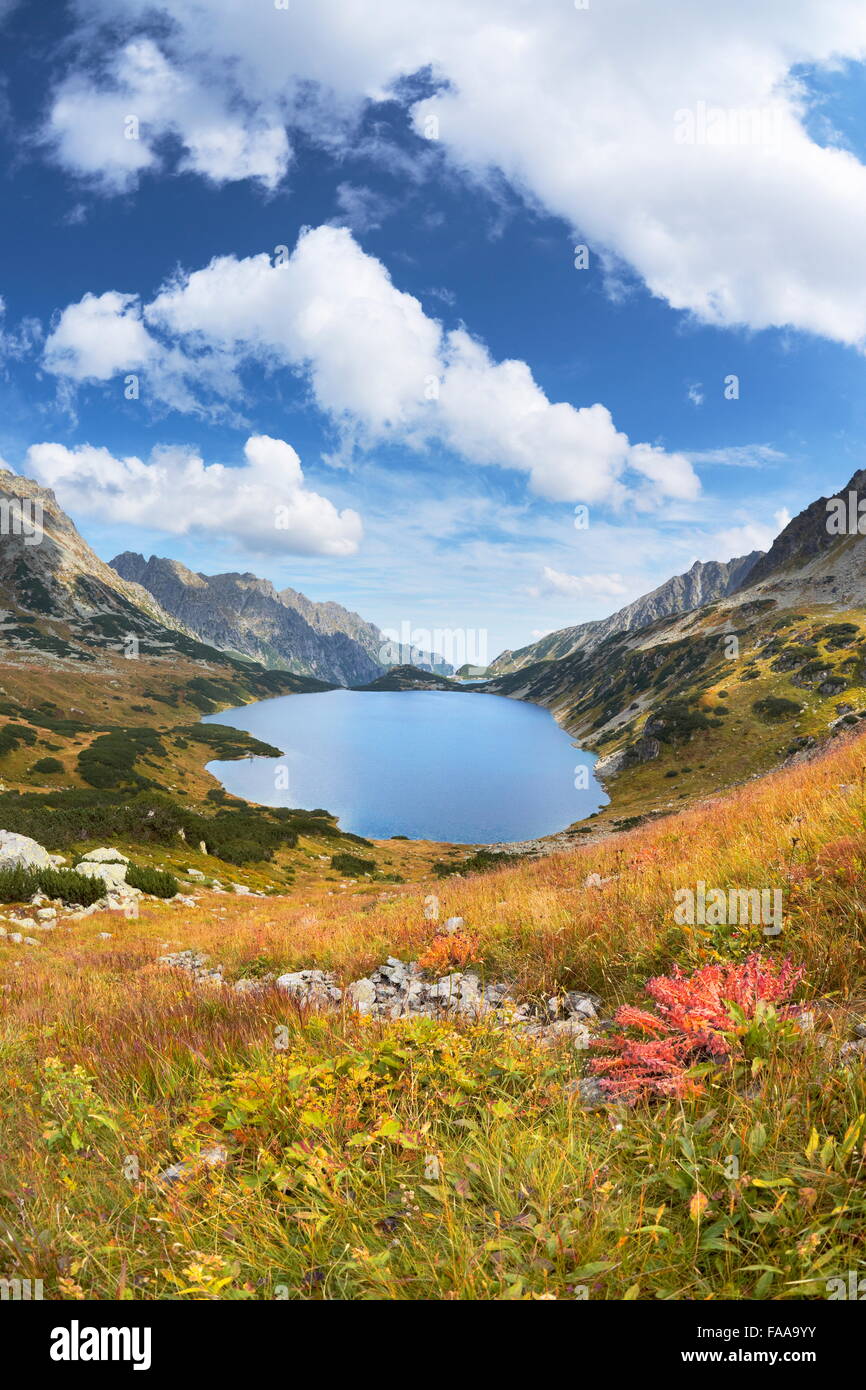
(19, 885)
(154, 881)
(352, 864)
(47, 765)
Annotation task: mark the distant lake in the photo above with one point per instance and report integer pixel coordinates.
(432, 765)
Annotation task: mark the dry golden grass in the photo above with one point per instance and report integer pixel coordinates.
(433, 1160)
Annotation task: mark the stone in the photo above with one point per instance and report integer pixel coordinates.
(104, 856)
(46, 914)
(589, 1093)
(19, 851)
(361, 996)
(315, 987)
(850, 1053)
(240, 888)
(110, 873)
(212, 1157)
(581, 1005)
(451, 926)
(248, 986)
(194, 873)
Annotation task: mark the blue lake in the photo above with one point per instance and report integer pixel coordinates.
(433, 765)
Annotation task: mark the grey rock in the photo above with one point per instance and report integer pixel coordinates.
(589, 1093)
(111, 874)
(361, 995)
(851, 1053)
(316, 987)
(212, 1157)
(19, 851)
(104, 855)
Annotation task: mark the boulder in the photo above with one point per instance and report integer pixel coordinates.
(111, 874)
(316, 987)
(451, 926)
(361, 995)
(20, 852)
(104, 856)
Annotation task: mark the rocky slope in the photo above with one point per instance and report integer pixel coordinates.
(57, 594)
(726, 691)
(62, 608)
(281, 628)
(241, 613)
(703, 583)
(810, 559)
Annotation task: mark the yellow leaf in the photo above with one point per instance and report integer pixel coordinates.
(698, 1205)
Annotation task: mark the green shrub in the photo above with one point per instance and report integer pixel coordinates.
(352, 864)
(19, 885)
(774, 707)
(47, 765)
(154, 881)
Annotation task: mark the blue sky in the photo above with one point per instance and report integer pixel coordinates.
(423, 480)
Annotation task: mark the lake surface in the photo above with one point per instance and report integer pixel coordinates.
(432, 765)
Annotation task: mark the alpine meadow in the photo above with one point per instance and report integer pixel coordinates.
(432, 671)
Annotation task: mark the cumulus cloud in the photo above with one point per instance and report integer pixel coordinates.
(263, 502)
(702, 176)
(375, 361)
(555, 582)
(109, 130)
(751, 535)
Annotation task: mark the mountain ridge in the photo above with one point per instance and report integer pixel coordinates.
(703, 583)
(284, 629)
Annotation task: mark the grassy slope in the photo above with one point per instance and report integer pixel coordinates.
(686, 661)
(331, 1189)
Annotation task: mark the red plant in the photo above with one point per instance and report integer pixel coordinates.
(693, 1024)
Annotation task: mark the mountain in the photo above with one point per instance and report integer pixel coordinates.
(283, 629)
(811, 558)
(59, 596)
(60, 604)
(699, 700)
(703, 583)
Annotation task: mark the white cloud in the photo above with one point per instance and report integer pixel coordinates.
(98, 337)
(555, 582)
(376, 363)
(738, 456)
(110, 131)
(700, 176)
(739, 540)
(21, 341)
(263, 503)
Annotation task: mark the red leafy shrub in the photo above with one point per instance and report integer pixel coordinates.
(694, 1022)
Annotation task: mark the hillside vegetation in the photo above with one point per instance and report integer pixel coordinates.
(327, 1156)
